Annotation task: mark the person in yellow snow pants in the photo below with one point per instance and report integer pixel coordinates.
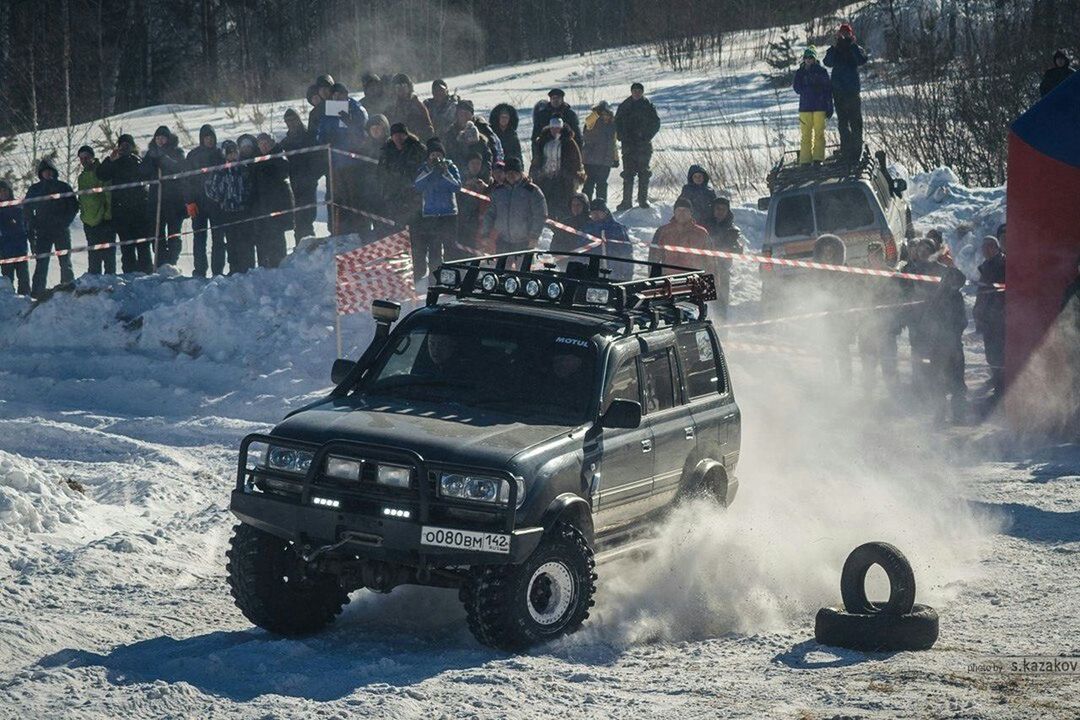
(814, 87)
(812, 125)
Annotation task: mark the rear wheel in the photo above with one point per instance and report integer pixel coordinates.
(273, 588)
(512, 607)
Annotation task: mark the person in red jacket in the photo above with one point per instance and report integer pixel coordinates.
(682, 231)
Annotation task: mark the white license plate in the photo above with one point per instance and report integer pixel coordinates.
(465, 540)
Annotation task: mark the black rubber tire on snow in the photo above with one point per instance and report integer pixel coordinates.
(497, 597)
(896, 566)
(916, 630)
(263, 575)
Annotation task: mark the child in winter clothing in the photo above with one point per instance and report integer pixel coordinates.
(617, 244)
(815, 106)
(700, 194)
(438, 182)
(13, 241)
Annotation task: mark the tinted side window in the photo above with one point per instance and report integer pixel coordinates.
(794, 216)
(659, 388)
(624, 384)
(845, 208)
(701, 370)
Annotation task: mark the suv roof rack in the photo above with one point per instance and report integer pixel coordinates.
(787, 173)
(529, 277)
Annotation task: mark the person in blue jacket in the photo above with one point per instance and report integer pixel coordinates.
(616, 240)
(815, 106)
(437, 182)
(13, 241)
(844, 58)
(345, 131)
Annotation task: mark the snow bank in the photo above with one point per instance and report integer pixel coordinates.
(30, 500)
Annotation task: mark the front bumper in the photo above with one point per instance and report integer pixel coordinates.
(368, 537)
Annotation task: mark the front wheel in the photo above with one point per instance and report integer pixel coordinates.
(512, 607)
(272, 585)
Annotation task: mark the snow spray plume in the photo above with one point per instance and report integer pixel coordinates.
(823, 469)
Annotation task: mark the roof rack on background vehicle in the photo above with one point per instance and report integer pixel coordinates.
(788, 173)
(534, 277)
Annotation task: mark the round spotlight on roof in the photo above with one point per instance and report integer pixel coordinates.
(489, 282)
(554, 290)
(511, 285)
(532, 288)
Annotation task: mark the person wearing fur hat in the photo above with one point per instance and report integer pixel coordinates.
(504, 123)
(599, 151)
(129, 206)
(164, 157)
(201, 209)
(1058, 72)
(616, 244)
(844, 58)
(814, 88)
(14, 241)
(407, 108)
(49, 223)
(681, 231)
(437, 181)
(557, 166)
(95, 212)
(399, 162)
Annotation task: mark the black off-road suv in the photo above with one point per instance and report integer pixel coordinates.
(492, 443)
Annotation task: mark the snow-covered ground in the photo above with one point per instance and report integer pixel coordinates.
(122, 405)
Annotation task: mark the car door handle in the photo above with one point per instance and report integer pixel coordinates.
(689, 432)
(646, 446)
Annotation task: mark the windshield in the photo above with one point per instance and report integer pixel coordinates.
(540, 376)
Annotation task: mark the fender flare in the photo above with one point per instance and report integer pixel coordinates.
(573, 509)
(698, 477)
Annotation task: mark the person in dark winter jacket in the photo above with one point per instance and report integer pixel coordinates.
(599, 150)
(504, 122)
(272, 194)
(557, 166)
(437, 181)
(95, 212)
(616, 241)
(844, 58)
(989, 312)
(49, 223)
(303, 174)
(129, 207)
(1056, 73)
(946, 320)
(469, 141)
(564, 240)
(461, 141)
(164, 157)
(724, 235)
(700, 194)
(877, 330)
(916, 316)
(408, 109)
(375, 99)
(346, 134)
(637, 123)
(233, 192)
(814, 88)
(470, 209)
(201, 209)
(441, 107)
(554, 107)
(14, 241)
(400, 161)
(371, 192)
(517, 213)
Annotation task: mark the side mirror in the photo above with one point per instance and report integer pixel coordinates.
(763, 203)
(341, 370)
(622, 414)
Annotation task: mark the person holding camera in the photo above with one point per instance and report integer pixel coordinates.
(438, 182)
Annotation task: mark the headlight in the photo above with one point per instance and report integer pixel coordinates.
(478, 488)
(343, 468)
(394, 475)
(448, 277)
(597, 296)
(289, 460)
